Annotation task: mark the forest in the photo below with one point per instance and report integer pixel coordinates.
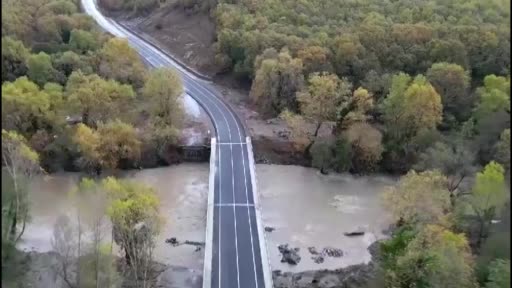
(76, 99)
(419, 89)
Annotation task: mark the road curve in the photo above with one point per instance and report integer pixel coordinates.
(236, 254)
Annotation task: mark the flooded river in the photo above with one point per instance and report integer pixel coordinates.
(305, 208)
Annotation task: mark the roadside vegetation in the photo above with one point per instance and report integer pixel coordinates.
(76, 99)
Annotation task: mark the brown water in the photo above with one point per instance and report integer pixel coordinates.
(311, 209)
(305, 207)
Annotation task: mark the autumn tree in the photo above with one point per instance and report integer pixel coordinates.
(134, 212)
(276, 82)
(119, 61)
(69, 61)
(451, 82)
(366, 142)
(434, 257)
(40, 68)
(112, 145)
(488, 197)
(323, 97)
(95, 99)
(356, 109)
(419, 199)
(14, 57)
(315, 59)
(21, 164)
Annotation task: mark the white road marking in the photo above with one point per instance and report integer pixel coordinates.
(234, 216)
(226, 143)
(234, 204)
(249, 216)
(220, 217)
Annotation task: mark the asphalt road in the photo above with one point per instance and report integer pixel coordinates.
(236, 258)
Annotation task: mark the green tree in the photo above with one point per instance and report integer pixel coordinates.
(134, 212)
(88, 142)
(494, 96)
(119, 61)
(95, 99)
(499, 274)
(435, 257)
(451, 81)
(419, 199)
(40, 69)
(163, 89)
(402, 117)
(82, 41)
(503, 149)
(488, 197)
(321, 155)
(69, 61)
(25, 108)
(14, 57)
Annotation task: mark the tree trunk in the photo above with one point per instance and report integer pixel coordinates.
(308, 148)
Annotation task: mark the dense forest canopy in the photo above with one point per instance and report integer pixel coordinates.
(364, 35)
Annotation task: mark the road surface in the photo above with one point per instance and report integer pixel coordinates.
(236, 252)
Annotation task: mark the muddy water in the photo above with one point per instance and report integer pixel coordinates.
(306, 208)
(182, 191)
(310, 209)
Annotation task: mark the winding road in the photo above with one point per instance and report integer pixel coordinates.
(235, 254)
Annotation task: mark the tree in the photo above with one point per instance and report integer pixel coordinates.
(366, 144)
(69, 61)
(499, 274)
(451, 81)
(315, 59)
(119, 144)
(14, 57)
(324, 96)
(21, 164)
(82, 41)
(136, 222)
(402, 117)
(96, 99)
(113, 145)
(435, 257)
(321, 155)
(494, 96)
(88, 142)
(276, 82)
(488, 197)
(502, 155)
(25, 108)
(163, 88)
(357, 109)
(453, 158)
(419, 199)
(40, 69)
(118, 61)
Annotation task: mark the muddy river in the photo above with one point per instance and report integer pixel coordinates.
(305, 208)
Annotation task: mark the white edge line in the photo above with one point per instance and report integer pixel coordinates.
(267, 269)
(207, 268)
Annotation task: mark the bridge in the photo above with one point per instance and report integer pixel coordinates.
(235, 252)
